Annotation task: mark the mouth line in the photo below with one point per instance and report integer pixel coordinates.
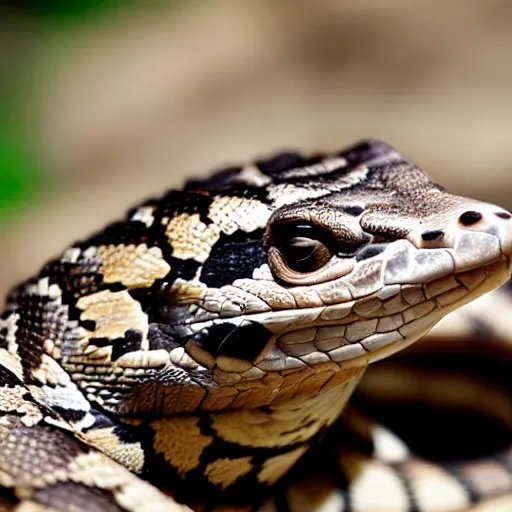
(359, 300)
(428, 303)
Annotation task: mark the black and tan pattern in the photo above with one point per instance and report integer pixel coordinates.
(208, 343)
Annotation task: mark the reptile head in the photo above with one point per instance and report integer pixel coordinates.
(268, 281)
(331, 259)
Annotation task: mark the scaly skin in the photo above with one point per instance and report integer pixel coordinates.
(210, 338)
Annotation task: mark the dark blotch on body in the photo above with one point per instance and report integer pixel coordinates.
(161, 336)
(130, 343)
(244, 341)
(234, 257)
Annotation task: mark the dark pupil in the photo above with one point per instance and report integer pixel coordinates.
(302, 248)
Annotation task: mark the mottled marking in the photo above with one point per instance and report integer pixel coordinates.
(125, 232)
(286, 193)
(191, 238)
(11, 371)
(251, 176)
(113, 314)
(50, 372)
(8, 327)
(144, 214)
(225, 471)
(274, 467)
(14, 400)
(76, 496)
(283, 162)
(232, 321)
(143, 359)
(21, 445)
(129, 492)
(234, 257)
(287, 424)
(130, 455)
(231, 214)
(134, 266)
(181, 442)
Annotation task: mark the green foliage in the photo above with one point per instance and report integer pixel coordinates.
(69, 9)
(19, 179)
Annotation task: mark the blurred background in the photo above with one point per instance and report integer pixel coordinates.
(105, 102)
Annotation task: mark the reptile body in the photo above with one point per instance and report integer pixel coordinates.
(202, 350)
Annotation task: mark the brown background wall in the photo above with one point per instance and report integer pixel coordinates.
(131, 103)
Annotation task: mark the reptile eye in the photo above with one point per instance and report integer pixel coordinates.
(303, 247)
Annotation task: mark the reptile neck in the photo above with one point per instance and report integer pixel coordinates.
(224, 455)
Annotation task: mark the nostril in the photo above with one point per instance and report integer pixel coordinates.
(470, 217)
(503, 215)
(432, 235)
